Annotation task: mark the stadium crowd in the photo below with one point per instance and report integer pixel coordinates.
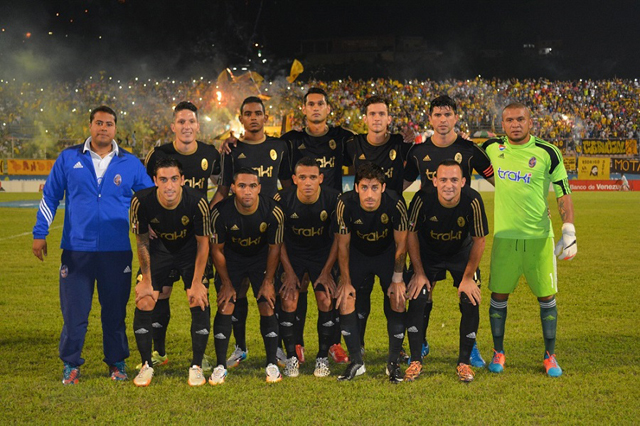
(53, 114)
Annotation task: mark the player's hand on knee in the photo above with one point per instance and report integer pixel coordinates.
(397, 294)
(226, 295)
(198, 295)
(344, 291)
(329, 284)
(471, 289)
(145, 289)
(567, 247)
(416, 284)
(268, 291)
(290, 286)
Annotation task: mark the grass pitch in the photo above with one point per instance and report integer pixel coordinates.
(598, 347)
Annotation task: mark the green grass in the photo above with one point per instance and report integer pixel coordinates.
(598, 348)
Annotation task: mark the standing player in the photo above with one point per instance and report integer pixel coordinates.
(248, 233)
(424, 158)
(372, 240)
(200, 161)
(269, 157)
(387, 151)
(523, 235)
(96, 180)
(179, 217)
(309, 248)
(447, 233)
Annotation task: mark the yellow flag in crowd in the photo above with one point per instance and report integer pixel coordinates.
(296, 70)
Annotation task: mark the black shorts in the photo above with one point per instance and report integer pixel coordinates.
(311, 264)
(164, 263)
(362, 268)
(241, 267)
(436, 267)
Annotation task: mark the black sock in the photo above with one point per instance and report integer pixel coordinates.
(269, 331)
(415, 319)
(200, 327)
(425, 317)
(239, 320)
(301, 319)
(337, 335)
(468, 328)
(142, 329)
(286, 321)
(349, 326)
(221, 334)
(395, 330)
(549, 318)
(497, 319)
(160, 321)
(363, 309)
(326, 332)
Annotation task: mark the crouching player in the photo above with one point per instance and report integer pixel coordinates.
(447, 231)
(247, 236)
(179, 216)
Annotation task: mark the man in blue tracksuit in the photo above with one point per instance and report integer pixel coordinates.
(96, 179)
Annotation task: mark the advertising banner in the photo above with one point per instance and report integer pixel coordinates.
(593, 168)
(29, 167)
(609, 147)
(620, 165)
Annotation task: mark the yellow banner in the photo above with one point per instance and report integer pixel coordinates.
(570, 163)
(610, 147)
(29, 167)
(594, 168)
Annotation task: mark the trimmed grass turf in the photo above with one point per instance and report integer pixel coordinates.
(597, 348)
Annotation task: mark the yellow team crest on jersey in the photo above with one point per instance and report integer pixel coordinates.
(184, 220)
(323, 215)
(461, 222)
(458, 158)
(392, 154)
(273, 154)
(384, 218)
(204, 164)
(263, 226)
(332, 144)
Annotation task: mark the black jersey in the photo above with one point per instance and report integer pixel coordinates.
(423, 160)
(247, 234)
(371, 232)
(197, 166)
(270, 158)
(390, 157)
(327, 149)
(444, 231)
(308, 228)
(176, 228)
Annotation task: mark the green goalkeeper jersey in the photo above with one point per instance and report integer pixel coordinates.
(522, 175)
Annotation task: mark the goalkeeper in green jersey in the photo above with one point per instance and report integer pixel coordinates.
(524, 168)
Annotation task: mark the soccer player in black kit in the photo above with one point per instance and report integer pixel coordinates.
(309, 248)
(372, 240)
(269, 157)
(247, 235)
(200, 161)
(447, 233)
(424, 158)
(179, 216)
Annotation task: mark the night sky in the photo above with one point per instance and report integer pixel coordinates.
(72, 39)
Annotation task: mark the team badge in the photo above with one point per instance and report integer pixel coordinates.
(204, 164)
(392, 154)
(323, 215)
(458, 158)
(461, 221)
(64, 271)
(332, 144)
(426, 158)
(184, 220)
(532, 162)
(302, 146)
(263, 226)
(384, 218)
(501, 147)
(117, 179)
(362, 157)
(273, 154)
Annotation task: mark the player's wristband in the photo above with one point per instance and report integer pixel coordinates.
(397, 277)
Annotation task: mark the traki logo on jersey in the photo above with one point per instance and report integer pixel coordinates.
(517, 176)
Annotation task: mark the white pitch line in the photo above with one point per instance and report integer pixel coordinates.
(25, 233)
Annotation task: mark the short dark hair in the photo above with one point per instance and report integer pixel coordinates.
(516, 105)
(448, 163)
(103, 108)
(443, 101)
(369, 170)
(165, 163)
(374, 100)
(245, 171)
(306, 162)
(251, 100)
(315, 91)
(185, 105)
